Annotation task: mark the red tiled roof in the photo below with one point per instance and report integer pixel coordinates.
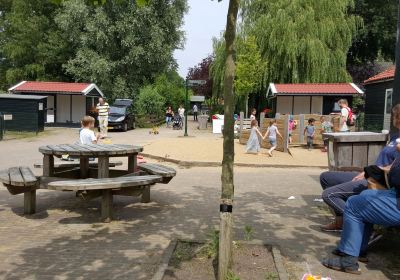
(385, 75)
(316, 89)
(50, 87)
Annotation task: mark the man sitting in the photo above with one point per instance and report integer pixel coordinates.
(380, 207)
(339, 186)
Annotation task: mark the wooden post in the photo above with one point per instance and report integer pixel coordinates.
(132, 163)
(302, 122)
(241, 121)
(225, 240)
(107, 206)
(285, 133)
(262, 118)
(30, 202)
(84, 167)
(103, 167)
(48, 165)
(146, 194)
(107, 198)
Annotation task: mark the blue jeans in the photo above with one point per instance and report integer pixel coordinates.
(338, 187)
(361, 213)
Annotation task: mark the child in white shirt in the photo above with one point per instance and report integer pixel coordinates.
(86, 134)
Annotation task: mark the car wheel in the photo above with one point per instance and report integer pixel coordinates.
(125, 129)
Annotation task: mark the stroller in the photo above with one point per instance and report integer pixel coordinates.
(178, 122)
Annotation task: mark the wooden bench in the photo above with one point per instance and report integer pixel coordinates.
(21, 180)
(167, 173)
(70, 164)
(107, 187)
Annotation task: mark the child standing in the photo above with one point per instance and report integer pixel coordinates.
(253, 114)
(253, 144)
(272, 132)
(326, 127)
(86, 134)
(309, 131)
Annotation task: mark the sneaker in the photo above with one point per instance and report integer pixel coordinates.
(270, 154)
(332, 227)
(348, 264)
(361, 258)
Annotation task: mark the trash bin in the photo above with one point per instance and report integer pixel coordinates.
(352, 151)
(203, 120)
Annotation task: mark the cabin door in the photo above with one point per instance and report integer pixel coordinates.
(388, 109)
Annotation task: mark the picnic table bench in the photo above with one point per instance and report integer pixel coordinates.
(21, 180)
(88, 180)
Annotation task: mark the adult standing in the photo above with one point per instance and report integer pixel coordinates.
(345, 112)
(195, 112)
(103, 110)
(181, 113)
(169, 113)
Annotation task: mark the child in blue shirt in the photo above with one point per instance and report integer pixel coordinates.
(309, 131)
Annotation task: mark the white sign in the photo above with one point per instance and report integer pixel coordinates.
(40, 106)
(8, 117)
(196, 82)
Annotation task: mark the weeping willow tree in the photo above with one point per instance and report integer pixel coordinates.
(302, 41)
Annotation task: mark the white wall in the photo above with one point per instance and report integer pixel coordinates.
(63, 108)
(317, 105)
(284, 104)
(78, 108)
(301, 105)
(50, 113)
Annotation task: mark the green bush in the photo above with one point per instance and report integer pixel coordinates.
(150, 102)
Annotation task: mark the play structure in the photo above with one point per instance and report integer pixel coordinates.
(298, 137)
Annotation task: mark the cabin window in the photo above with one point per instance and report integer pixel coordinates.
(389, 101)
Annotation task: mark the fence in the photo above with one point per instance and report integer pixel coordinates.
(372, 122)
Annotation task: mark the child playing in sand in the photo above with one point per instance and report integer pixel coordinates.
(86, 134)
(272, 132)
(309, 131)
(253, 144)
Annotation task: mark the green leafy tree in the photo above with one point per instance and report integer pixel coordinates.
(121, 43)
(302, 41)
(172, 87)
(150, 102)
(30, 45)
(250, 68)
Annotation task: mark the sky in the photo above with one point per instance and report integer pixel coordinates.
(206, 19)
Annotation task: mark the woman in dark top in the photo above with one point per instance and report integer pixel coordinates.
(169, 113)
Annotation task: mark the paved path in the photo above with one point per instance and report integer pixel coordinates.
(65, 240)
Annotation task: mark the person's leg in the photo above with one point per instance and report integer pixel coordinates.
(335, 197)
(101, 125)
(332, 178)
(105, 123)
(362, 211)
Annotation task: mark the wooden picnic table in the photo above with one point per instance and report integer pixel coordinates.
(85, 152)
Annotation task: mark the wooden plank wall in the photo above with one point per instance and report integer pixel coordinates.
(298, 133)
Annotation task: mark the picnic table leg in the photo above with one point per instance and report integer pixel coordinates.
(48, 166)
(30, 202)
(107, 206)
(132, 163)
(84, 167)
(146, 194)
(104, 168)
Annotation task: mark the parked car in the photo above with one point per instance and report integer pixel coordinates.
(121, 115)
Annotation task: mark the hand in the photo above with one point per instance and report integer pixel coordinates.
(359, 177)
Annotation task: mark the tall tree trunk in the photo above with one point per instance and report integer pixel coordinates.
(396, 88)
(225, 240)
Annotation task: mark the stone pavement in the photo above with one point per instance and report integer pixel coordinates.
(65, 239)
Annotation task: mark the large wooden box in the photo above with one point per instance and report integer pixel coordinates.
(352, 151)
